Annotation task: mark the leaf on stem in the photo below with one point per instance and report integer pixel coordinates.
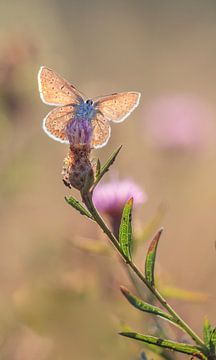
(98, 168)
(125, 230)
(143, 306)
(209, 336)
(213, 337)
(105, 167)
(167, 344)
(150, 258)
(76, 205)
(212, 343)
(207, 332)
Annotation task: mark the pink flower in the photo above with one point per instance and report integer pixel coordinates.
(178, 121)
(110, 198)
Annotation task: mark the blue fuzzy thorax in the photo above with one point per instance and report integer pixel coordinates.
(85, 110)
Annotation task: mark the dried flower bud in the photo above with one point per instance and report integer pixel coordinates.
(77, 167)
(79, 131)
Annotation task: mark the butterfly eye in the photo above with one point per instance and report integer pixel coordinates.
(89, 102)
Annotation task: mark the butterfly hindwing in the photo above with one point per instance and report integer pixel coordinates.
(56, 121)
(55, 90)
(117, 107)
(101, 131)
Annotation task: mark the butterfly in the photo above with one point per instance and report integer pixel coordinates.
(70, 104)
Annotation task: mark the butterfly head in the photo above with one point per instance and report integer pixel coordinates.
(89, 102)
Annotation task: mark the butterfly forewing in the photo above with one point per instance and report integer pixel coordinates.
(101, 131)
(117, 107)
(56, 121)
(55, 90)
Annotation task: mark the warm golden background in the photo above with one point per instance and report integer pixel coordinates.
(56, 301)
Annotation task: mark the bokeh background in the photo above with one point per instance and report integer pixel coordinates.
(59, 301)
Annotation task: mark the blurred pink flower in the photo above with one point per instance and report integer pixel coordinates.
(178, 121)
(110, 198)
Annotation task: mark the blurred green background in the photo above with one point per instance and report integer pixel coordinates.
(58, 302)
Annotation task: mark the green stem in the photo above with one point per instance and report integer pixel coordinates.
(115, 224)
(87, 199)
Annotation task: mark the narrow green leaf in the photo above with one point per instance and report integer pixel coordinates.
(143, 306)
(207, 330)
(209, 336)
(213, 337)
(150, 258)
(76, 205)
(98, 168)
(212, 341)
(167, 344)
(106, 166)
(125, 230)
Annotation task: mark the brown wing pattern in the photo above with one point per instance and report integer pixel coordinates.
(55, 90)
(101, 131)
(117, 107)
(55, 122)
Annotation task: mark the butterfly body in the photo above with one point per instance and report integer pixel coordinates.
(85, 110)
(77, 121)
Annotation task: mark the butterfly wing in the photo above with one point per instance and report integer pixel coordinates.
(55, 90)
(117, 107)
(101, 131)
(54, 124)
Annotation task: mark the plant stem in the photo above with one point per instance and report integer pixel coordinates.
(87, 199)
(115, 225)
